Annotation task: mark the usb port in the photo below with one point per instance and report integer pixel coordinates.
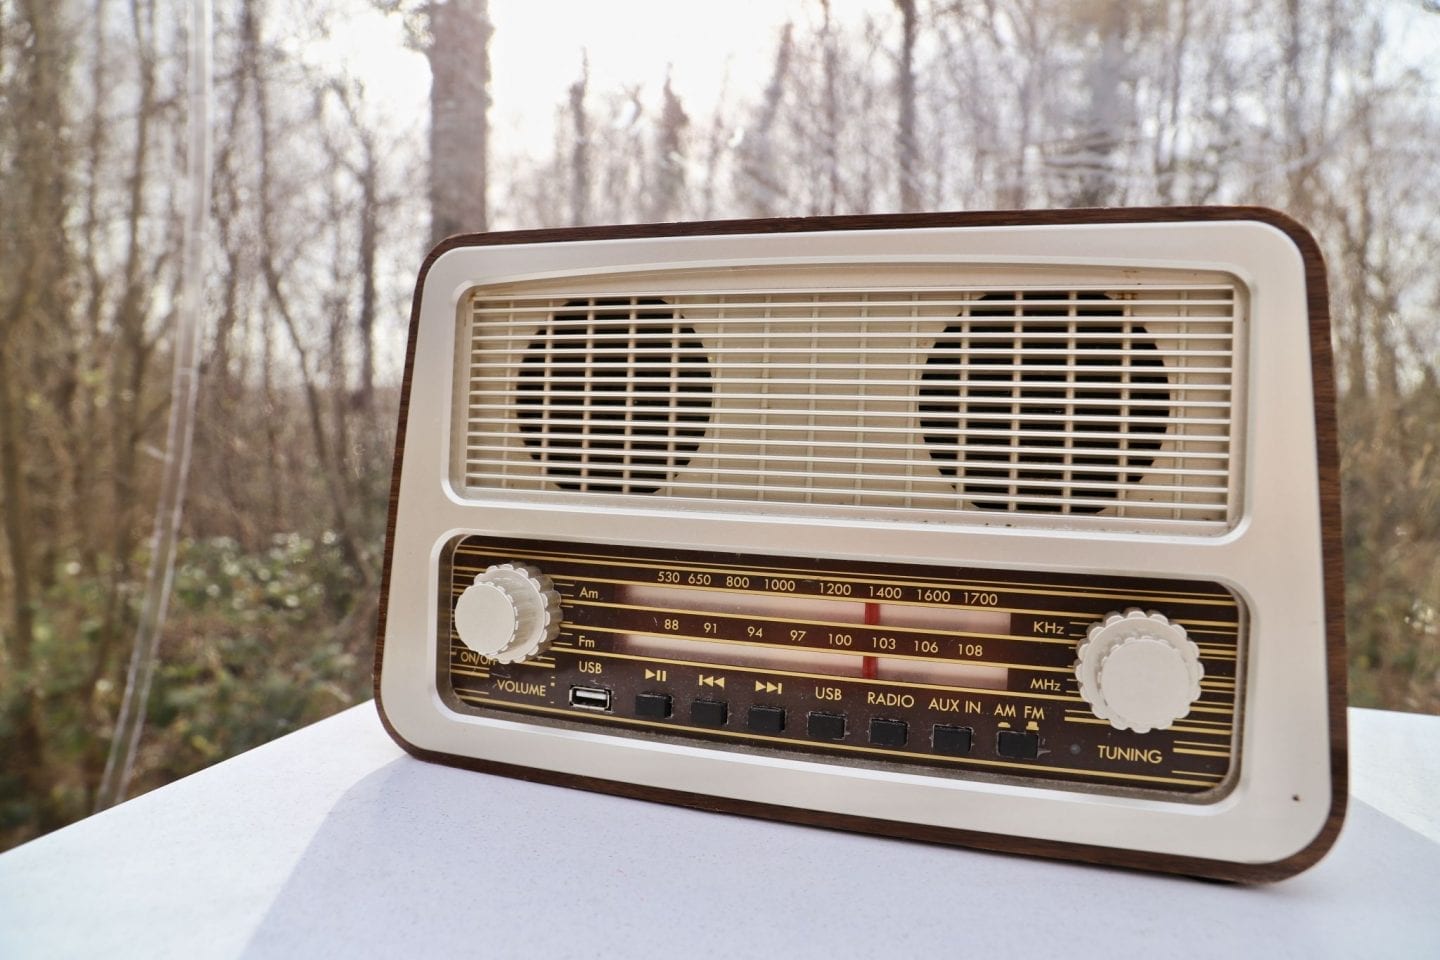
(590, 698)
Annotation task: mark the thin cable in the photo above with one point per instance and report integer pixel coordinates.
(184, 388)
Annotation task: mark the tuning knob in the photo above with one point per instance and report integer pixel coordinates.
(510, 613)
(1139, 671)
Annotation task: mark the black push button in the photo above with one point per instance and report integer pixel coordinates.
(766, 719)
(889, 733)
(652, 705)
(1017, 745)
(826, 726)
(709, 713)
(952, 740)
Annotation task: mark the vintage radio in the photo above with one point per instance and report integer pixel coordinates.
(1018, 531)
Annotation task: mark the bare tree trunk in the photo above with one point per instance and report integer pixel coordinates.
(35, 200)
(75, 405)
(28, 757)
(459, 55)
(334, 354)
(1295, 83)
(331, 469)
(275, 481)
(669, 187)
(907, 146)
(830, 145)
(1166, 153)
(183, 391)
(715, 148)
(329, 461)
(129, 359)
(1025, 25)
(580, 147)
(369, 244)
(1090, 162)
(759, 178)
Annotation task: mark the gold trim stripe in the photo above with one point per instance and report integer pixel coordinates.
(1176, 728)
(578, 628)
(1076, 616)
(844, 624)
(1203, 599)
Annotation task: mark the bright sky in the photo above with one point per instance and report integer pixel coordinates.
(536, 52)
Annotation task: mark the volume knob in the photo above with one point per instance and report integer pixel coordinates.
(510, 613)
(1139, 671)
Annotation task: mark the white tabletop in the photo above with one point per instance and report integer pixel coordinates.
(333, 842)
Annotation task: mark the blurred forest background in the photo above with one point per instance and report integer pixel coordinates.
(322, 209)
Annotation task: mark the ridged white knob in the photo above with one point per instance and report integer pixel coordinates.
(510, 613)
(1139, 671)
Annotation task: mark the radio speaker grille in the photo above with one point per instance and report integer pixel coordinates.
(1063, 436)
(642, 416)
(1094, 402)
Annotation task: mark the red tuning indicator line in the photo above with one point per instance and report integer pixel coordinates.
(872, 619)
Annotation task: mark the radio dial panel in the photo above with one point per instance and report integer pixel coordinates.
(862, 663)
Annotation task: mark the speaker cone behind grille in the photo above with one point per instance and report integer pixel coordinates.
(613, 395)
(1073, 410)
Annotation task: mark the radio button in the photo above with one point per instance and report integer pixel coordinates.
(654, 706)
(952, 740)
(889, 733)
(709, 713)
(510, 613)
(1017, 745)
(766, 720)
(826, 726)
(1139, 671)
